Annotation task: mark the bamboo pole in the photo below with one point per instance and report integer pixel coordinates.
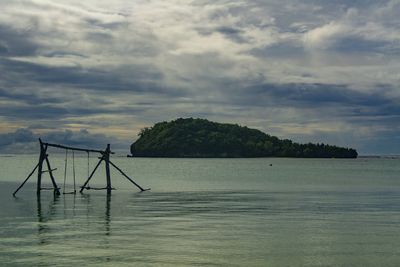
(76, 148)
(56, 190)
(73, 170)
(127, 177)
(107, 161)
(42, 156)
(65, 169)
(91, 175)
(27, 178)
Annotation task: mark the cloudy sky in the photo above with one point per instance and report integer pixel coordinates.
(88, 72)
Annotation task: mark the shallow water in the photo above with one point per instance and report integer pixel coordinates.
(200, 212)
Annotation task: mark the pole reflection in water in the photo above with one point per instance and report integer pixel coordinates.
(107, 223)
(107, 217)
(44, 217)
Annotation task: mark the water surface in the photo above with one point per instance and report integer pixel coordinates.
(206, 212)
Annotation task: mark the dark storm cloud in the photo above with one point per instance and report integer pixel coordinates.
(377, 111)
(141, 78)
(99, 37)
(344, 4)
(28, 97)
(377, 102)
(49, 111)
(80, 138)
(19, 136)
(16, 43)
(25, 141)
(355, 44)
(352, 41)
(234, 34)
(33, 112)
(61, 54)
(101, 24)
(279, 50)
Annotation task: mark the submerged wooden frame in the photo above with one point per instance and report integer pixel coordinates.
(44, 158)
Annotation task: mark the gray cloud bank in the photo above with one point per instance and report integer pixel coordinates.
(319, 71)
(26, 142)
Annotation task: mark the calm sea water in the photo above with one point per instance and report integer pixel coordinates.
(206, 212)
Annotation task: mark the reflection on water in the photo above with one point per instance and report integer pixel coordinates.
(69, 210)
(220, 228)
(44, 218)
(231, 212)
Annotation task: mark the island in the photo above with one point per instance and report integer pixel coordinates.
(201, 138)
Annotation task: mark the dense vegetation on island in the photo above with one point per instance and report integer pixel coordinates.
(203, 138)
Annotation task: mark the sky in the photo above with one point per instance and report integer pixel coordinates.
(91, 72)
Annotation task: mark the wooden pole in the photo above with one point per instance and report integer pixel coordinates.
(42, 157)
(107, 160)
(65, 168)
(74, 148)
(73, 170)
(91, 175)
(127, 177)
(27, 178)
(56, 190)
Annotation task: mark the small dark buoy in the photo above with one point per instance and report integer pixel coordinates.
(270, 164)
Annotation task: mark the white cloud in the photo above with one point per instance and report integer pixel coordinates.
(325, 36)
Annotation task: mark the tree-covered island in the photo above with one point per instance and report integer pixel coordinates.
(200, 138)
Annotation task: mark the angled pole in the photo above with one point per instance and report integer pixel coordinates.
(127, 177)
(56, 190)
(91, 175)
(27, 178)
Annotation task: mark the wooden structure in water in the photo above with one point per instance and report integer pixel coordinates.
(44, 160)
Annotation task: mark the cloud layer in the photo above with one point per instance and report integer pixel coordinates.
(26, 141)
(320, 71)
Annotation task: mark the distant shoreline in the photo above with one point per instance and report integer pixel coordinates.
(272, 157)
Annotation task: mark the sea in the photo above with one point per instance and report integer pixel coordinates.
(203, 212)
